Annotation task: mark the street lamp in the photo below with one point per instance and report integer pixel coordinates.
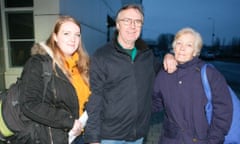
(213, 28)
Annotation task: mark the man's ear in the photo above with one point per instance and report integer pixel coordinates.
(117, 26)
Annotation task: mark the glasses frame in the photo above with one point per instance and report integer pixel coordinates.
(129, 21)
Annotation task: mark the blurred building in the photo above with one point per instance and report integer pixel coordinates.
(24, 22)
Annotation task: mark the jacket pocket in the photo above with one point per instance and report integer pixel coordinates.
(171, 130)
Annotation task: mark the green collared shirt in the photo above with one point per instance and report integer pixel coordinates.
(132, 52)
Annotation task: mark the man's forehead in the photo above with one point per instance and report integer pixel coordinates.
(130, 12)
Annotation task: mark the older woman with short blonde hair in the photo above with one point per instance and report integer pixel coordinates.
(182, 96)
(198, 39)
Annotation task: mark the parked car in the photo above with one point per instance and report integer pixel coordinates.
(208, 55)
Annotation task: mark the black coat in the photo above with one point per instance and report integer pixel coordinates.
(119, 107)
(55, 114)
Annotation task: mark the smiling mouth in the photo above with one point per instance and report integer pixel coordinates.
(131, 33)
(71, 45)
(181, 54)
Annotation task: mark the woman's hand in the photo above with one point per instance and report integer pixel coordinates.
(77, 128)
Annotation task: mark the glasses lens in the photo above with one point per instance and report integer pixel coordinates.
(128, 21)
(138, 22)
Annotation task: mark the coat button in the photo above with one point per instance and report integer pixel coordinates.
(194, 140)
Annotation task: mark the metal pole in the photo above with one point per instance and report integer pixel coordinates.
(213, 28)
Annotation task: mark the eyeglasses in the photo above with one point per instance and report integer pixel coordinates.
(128, 21)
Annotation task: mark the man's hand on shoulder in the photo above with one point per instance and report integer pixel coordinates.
(169, 63)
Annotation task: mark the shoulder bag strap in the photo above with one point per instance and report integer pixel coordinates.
(207, 89)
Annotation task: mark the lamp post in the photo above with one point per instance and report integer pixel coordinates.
(213, 28)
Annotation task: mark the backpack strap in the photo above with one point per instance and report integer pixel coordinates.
(208, 93)
(47, 75)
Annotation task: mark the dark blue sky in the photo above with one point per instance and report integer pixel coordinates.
(205, 16)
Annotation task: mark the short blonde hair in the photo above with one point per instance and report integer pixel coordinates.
(198, 39)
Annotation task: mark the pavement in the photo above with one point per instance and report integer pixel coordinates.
(155, 129)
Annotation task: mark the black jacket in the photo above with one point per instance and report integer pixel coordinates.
(119, 107)
(55, 114)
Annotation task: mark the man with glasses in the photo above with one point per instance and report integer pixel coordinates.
(122, 73)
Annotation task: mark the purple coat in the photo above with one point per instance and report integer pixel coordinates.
(181, 96)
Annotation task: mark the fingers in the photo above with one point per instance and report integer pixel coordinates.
(77, 128)
(171, 70)
(171, 67)
(169, 63)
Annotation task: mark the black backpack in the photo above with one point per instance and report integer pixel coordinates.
(14, 125)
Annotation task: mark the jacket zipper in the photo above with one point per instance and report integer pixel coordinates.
(55, 98)
(50, 135)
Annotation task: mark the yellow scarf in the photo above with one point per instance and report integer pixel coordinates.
(81, 88)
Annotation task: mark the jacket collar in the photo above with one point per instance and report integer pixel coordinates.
(189, 63)
(46, 48)
(139, 44)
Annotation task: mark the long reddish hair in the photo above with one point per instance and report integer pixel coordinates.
(82, 63)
